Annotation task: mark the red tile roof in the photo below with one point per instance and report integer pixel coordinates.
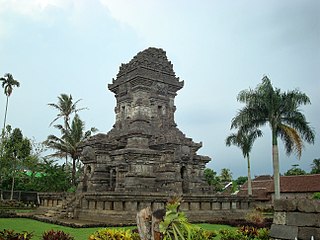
(263, 185)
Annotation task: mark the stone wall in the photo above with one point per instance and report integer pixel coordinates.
(50, 200)
(298, 218)
(120, 209)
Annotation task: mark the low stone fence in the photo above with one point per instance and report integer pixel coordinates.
(28, 198)
(50, 200)
(120, 209)
(296, 219)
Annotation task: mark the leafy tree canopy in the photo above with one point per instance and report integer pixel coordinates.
(315, 166)
(295, 170)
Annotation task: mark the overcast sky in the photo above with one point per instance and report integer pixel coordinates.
(217, 47)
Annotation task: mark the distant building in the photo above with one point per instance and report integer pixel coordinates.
(291, 187)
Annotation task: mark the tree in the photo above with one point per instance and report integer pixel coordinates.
(66, 107)
(280, 110)
(8, 82)
(225, 175)
(17, 149)
(241, 180)
(245, 140)
(295, 170)
(212, 179)
(315, 166)
(69, 142)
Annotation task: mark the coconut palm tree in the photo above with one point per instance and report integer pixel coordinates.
(280, 110)
(65, 107)
(8, 82)
(70, 141)
(245, 142)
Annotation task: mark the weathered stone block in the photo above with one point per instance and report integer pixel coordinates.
(158, 205)
(305, 205)
(100, 205)
(205, 206)
(184, 206)
(279, 218)
(283, 231)
(285, 205)
(84, 203)
(306, 233)
(244, 205)
(317, 205)
(226, 205)
(303, 219)
(131, 206)
(108, 205)
(92, 204)
(118, 206)
(216, 205)
(195, 206)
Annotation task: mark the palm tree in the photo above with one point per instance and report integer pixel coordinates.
(268, 105)
(225, 175)
(245, 142)
(8, 82)
(70, 141)
(66, 107)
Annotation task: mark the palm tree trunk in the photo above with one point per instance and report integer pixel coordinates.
(275, 161)
(249, 178)
(73, 172)
(5, 115)
(12, 188)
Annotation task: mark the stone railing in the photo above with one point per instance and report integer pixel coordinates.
(296, 219)
(53, 199)
(118, 208)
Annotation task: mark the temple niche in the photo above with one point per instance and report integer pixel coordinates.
(144, 151)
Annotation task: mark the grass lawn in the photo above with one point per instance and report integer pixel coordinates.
(37, 227)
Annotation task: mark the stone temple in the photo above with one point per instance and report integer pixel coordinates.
(144, 152)
(144, 160)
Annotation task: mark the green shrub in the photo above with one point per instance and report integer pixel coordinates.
(263, 234)
(175, 224)
(316, 195)
(245, 233)
(227, 234)
(11, 235)
(201, 234)
(114, 234)
(56, 235)
(250, 232)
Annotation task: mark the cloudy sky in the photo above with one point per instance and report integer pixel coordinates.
(217, 47)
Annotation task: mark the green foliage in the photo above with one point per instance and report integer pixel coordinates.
(69, 142)
(266, 105)
(241, 180)
(244, 233)
(15, 155)
(198, 233)
(175, 224)
(227, 234)
(316, 195)
(226, 175)
(56, 178)
(54, 235)
(12, 235)
(315, 166)
(114, 234)
(212, 179)
(295, 170)
(47, 176)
